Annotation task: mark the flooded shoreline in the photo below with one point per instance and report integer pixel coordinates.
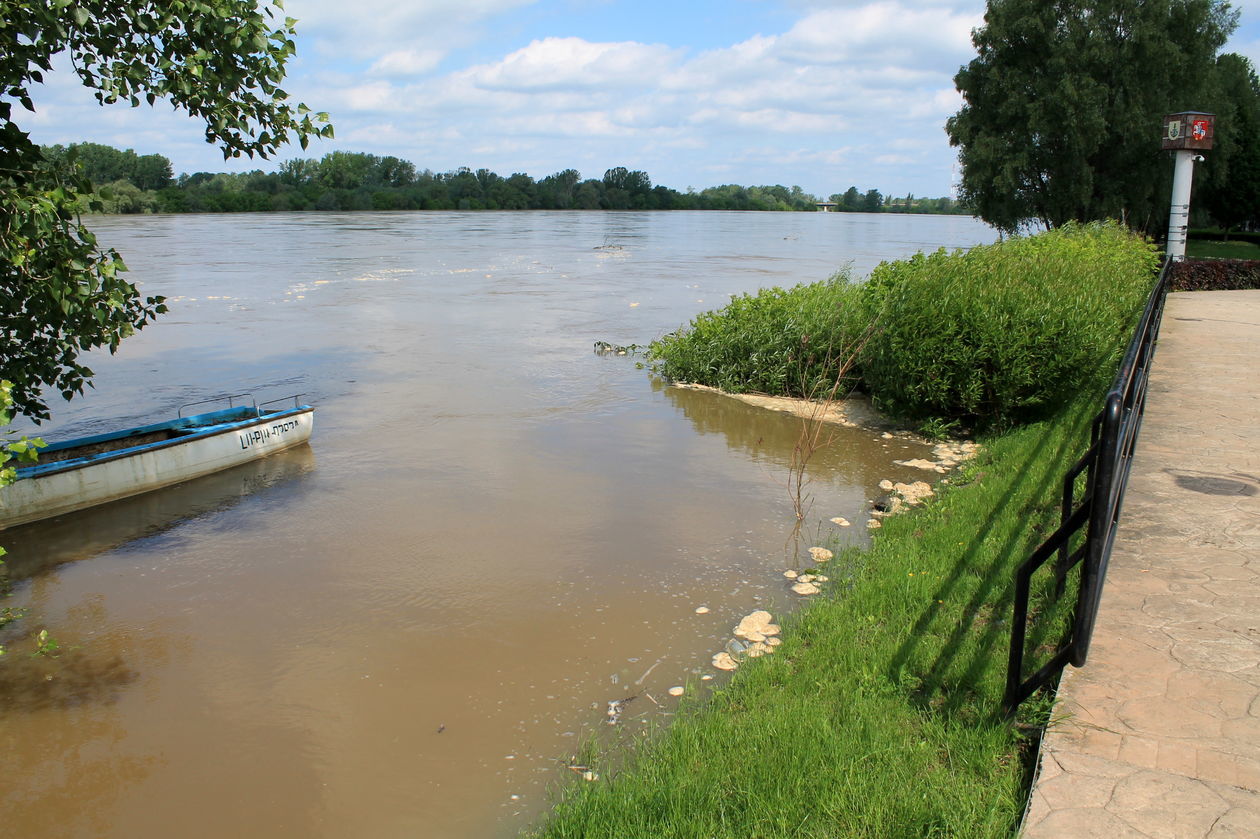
(492, 534)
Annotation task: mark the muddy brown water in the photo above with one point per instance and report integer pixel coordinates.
(408, 627)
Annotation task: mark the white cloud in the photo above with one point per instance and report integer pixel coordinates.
(375, 27)
(816, 103)
(573, 64)
(406, 62)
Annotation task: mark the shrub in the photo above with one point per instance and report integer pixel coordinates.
(1002, 332)
(1215, 275)
(775, 341)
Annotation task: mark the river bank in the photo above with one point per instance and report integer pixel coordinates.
(879, 713)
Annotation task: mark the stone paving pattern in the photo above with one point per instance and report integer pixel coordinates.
(1159, 734)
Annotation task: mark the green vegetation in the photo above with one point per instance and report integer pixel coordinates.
(879, 716)
(355, 181)
(1005, 332)
(219, 60)
(1228, 186)
(778, 342)
(22, 450)
(1207, 249)
(994, 335)
(1063, 105)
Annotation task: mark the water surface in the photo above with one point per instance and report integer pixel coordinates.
(407, 628)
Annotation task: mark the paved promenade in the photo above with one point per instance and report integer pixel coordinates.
(1159, 734)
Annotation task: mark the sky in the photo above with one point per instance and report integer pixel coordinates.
(824, 94)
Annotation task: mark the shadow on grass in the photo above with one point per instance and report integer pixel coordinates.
(962, 656)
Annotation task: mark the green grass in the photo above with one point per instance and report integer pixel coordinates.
(880, 715)
(1204, 249)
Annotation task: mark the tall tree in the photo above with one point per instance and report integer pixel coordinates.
(220, 60)
(1230, 185)
(1064, 101)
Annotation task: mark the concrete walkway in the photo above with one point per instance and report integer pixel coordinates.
(1159, 734)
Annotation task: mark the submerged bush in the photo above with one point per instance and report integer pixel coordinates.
(780, 342)
(991, 336)
(1001, 333)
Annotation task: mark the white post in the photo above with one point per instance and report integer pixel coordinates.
(1179, 214)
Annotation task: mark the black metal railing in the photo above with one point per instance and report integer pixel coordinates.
(1105, 465)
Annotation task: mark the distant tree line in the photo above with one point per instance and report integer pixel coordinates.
(131, 183)
(872, 201)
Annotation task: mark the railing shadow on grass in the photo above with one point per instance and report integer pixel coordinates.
(1088, 523)
(977, 627)
(1082, 544)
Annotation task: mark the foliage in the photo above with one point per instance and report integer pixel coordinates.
(1228, 185)
(356, 181)
(994, 335)
(15, 450)
(1215, 274)
(1233, 249)
(1004, 333)
(221, 60)
(1219, 235)
(1063, 106)
(775, 341)
(105, 164)
(879, 715)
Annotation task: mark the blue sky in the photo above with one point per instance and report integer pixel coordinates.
(818, 93)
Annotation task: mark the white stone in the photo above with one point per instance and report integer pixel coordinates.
(702, 610)
(676, 691)
(753, 623)
(820, 579)
(820, 554)
(723, 661)
(807, 578)
(706, 678)
(806, 588)
(885, 485)
(874, 524)
(919, 463)
(914, 493)
(791, 575)
(770, 629)
(773, 642)
(842, 522)
(754, 636)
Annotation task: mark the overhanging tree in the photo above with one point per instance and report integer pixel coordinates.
(61, 294)
(1064, 102)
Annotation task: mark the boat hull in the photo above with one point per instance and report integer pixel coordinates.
(58, 488)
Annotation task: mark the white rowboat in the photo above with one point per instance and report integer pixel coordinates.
(75, 474)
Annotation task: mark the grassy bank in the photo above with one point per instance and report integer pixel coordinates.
(1201, 249)
(879, 715)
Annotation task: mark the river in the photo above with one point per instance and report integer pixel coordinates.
(410, 626)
